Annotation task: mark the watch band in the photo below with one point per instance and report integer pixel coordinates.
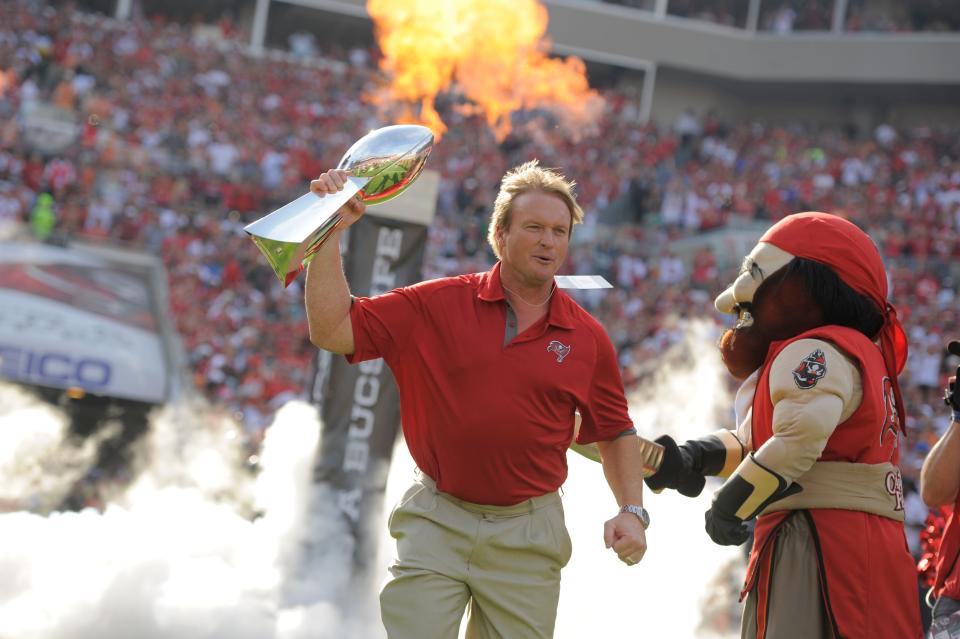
(639, 511)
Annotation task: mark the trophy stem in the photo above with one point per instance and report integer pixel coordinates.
(291, 235)
(288, 259)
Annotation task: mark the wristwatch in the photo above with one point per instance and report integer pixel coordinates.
(639, 511)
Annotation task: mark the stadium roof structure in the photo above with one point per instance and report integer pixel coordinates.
(670, 53)
(675, 61)
(632, 37)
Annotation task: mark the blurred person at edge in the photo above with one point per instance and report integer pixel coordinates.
(939, 484)
(815, 457)
(493, 369)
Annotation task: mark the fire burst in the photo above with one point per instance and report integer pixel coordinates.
(494, 52)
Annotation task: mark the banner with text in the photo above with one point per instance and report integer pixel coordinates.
(74, 319)
(360, 405)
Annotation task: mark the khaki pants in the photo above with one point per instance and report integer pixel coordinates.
(504, 561)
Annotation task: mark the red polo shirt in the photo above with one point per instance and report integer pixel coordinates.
(491, 423)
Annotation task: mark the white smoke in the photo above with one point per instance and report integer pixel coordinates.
(200, 547)
(685, 586)
(37, 466)
(182, 552)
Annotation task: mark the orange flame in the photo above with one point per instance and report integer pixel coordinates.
(493, 51)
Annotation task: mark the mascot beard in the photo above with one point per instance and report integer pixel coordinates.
(781, 306)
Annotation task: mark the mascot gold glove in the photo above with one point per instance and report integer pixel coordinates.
(748, 491)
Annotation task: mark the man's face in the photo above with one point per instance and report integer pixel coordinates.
(534, 244)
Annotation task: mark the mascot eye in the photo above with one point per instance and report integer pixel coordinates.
(750, 266)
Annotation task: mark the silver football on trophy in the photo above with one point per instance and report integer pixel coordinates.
(381, 165)
(392, 157)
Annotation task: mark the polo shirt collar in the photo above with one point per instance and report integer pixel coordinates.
(490, 289)
(559, 314)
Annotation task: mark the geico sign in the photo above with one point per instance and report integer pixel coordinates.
(57, 369)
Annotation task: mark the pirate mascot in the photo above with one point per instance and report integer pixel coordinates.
(815, 456)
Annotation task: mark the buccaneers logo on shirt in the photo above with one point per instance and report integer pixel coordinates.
(891, 418)
(811, 370)
(894, 485)
(562, 350)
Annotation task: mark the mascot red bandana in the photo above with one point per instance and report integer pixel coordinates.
(850, 252)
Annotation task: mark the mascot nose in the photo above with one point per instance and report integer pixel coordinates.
(726, 302)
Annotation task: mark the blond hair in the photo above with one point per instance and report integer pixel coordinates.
(530, 176)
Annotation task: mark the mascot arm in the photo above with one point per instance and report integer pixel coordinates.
(744, 434)
(684, 467)
(809, 403)
(717, 454)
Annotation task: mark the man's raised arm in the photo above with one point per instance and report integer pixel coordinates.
(326, 292)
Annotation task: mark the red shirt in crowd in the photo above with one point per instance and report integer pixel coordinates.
(491, 423)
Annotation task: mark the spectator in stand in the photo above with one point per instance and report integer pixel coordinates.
(940, 486)
(42, 217)
(782, 22)
(926, 358)
(731, 13)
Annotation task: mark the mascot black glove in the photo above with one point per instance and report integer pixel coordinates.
(951, 396)
(676, 470)
(741, 498)
(684, 467)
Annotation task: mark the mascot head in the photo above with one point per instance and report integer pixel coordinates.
(809, 270)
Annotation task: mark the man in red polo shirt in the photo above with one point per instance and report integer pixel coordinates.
(940, 486)
(492, 368)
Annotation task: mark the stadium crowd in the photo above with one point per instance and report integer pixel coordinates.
(177, 143)
(789, 16)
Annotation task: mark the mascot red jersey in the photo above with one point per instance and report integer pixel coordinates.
(815, 456)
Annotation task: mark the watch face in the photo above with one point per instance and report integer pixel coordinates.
(644, 517)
